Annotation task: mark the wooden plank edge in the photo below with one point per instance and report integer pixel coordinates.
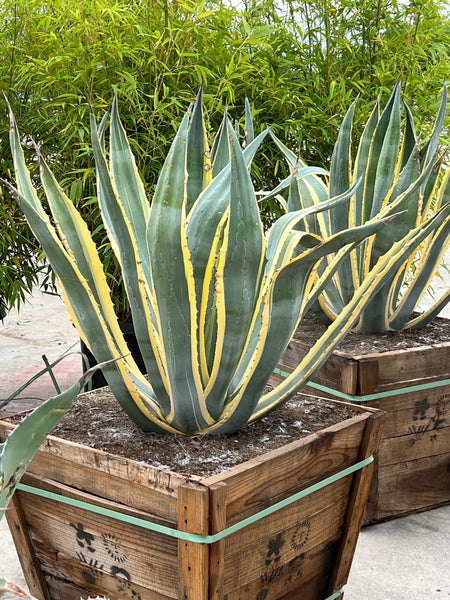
(294, 446)
(67, 491)
(193, 558)
(25, 550)
(358, 499)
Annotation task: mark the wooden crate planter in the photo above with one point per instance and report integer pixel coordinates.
(412, 471)
(303, 550)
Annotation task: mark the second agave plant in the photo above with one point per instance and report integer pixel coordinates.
(214, 299)
(396, 175)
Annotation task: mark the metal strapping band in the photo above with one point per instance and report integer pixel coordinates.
(194, 537)
(379, 396)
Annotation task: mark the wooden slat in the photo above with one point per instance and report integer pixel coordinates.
(86, 584)
(193, 558)
(415, 413)
(25, 551)
(413, 486)
(358, 498)
(118, 479)
(218, 521)
(66, 491)
(304, 509)
(368, 375)
(304, 578)
(411, 366)
(297, 541)
(414, 447)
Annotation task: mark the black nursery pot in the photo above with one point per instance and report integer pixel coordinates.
(98, 379)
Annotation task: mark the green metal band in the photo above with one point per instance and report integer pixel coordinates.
(194, 537)
(337, 594)
(379, 396)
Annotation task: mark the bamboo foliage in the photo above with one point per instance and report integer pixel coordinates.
(214, 299)
(398, 175)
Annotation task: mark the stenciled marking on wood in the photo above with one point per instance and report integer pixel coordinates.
(275, 568)
(113, 547)
(95, 568)
(301, 535)
(428, 417)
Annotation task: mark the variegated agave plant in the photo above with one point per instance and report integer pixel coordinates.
(397, 176)
(214, 300)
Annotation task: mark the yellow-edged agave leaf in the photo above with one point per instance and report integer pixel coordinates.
(198, 160)
(106, 340)
(134, 265)
(174, 287)
(238, 278)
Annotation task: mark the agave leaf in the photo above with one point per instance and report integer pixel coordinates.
(436, 244)
(122, 235)
(407, 201)
(383, 155)
(198, 163)
(128, 185)
(174, 291)
(429, 151)
(237, 279)
(410, 140)
(11, 588)
(220, 152)
(362, 157)
(385, 308)
(341, 161)
(24, 441)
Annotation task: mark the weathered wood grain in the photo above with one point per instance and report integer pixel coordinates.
(416, 434)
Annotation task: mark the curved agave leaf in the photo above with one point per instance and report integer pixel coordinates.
(91, 312)
(237, 279)
(21, 445)
(135, 268)
(431, 255)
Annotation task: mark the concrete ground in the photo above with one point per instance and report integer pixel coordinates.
(404, 559)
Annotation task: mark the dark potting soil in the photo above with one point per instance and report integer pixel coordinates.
(96, 420)
(355, 344)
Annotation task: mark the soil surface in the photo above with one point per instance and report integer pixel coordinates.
(355, 344)
(96, 420)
